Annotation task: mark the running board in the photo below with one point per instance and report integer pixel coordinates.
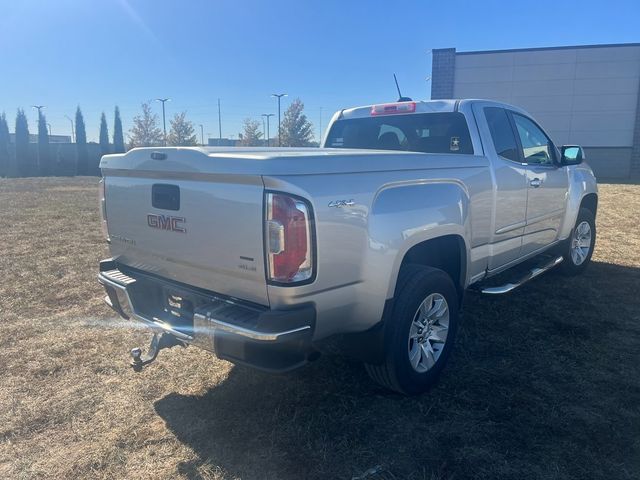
(533, 273)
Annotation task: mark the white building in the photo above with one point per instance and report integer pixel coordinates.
(586, 95)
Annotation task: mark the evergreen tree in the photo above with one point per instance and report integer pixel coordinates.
(145, 131)
(182, 131)
(297, 130)
(44, 162)
(118, 137)
(24, 160)
(104, 136)
(5, 159)
(250, 137)
(82, 153)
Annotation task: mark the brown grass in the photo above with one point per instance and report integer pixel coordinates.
(544, 383)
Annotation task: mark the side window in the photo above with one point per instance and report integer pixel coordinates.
(502, 133)
(536, 146)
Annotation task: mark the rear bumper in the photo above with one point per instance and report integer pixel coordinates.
(273, 340)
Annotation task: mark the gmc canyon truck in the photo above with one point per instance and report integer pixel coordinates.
(365, 247)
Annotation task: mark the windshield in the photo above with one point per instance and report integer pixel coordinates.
(419, 132)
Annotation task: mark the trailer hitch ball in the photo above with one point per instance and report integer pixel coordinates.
(158, 342)
(136, 359)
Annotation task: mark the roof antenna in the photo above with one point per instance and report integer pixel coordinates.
(400, 97)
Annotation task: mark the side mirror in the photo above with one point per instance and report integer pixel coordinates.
(571, 155)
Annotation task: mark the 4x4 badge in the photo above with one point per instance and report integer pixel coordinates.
(342, 203)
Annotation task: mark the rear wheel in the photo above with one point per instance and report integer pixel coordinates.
(420, 331)
(579, 248)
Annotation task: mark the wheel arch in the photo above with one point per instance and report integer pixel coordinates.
(447, 252)
(590, 202)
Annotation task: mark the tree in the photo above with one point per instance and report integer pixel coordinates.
(82, 160)
(104, 136)
(145, 131)
(182, 131)
(5, 159)
(296, 129)
(44, 162)
(250, 137)
(118, 137)
(24, 160)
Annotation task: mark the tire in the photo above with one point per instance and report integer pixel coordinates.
(420, 290)
(576, 257)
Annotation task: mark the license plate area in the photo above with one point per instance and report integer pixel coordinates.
(178, 308)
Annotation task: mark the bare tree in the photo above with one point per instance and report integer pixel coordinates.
(182, 131)
(145, 131)
(297, 130)
(251, 135)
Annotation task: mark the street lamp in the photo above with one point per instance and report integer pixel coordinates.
(164, 123)
(49, 125)
(279, 96)
(201, 135)
(73, 139)
(39, 107)
(267, 116)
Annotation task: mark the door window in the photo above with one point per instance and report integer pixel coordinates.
(536, 146)
(502, 135)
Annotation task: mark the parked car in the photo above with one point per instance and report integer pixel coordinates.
(365, 247)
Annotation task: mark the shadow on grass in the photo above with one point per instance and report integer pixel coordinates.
(543, 383)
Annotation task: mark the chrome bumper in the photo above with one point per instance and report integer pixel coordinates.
(263, 338)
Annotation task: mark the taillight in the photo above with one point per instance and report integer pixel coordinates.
(393, 108)
(102, 199)
(289, 242)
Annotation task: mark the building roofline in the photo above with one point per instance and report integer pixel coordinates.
(537, 49)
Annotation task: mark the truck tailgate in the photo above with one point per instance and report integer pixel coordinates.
(203, 231)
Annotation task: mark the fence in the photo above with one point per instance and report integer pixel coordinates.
(63, 160)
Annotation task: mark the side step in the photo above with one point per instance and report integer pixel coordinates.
(531, 274)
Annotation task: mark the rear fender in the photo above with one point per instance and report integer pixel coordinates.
(404, 215)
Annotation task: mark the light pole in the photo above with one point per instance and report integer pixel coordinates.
(49, 125)
(39, 108)
(201, 135)
(320, 136)
(279, 96)
(164, 123)
(73, 138)
(219, 125)
(267, 116)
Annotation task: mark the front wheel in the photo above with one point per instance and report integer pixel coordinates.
(579, 248)
(420, 332)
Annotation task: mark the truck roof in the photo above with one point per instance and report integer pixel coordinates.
(422, 106)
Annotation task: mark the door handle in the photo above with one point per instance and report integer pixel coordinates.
(535, 183)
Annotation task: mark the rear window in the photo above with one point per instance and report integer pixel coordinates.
(418, 132)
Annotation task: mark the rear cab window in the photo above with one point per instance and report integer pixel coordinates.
(442, 132)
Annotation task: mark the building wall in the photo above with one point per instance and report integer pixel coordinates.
(580, 95)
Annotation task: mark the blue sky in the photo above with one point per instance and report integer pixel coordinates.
(331, 54)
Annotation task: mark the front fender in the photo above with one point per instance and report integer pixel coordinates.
(582, 182)
(404, 215)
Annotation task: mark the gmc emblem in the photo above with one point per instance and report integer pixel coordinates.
(166, 222)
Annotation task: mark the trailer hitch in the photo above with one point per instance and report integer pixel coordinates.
(158, 342)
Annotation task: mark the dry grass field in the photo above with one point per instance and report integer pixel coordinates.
(544, 383)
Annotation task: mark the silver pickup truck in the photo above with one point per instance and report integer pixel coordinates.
(364, 247)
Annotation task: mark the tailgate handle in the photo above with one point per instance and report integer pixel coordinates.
(165, 197)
